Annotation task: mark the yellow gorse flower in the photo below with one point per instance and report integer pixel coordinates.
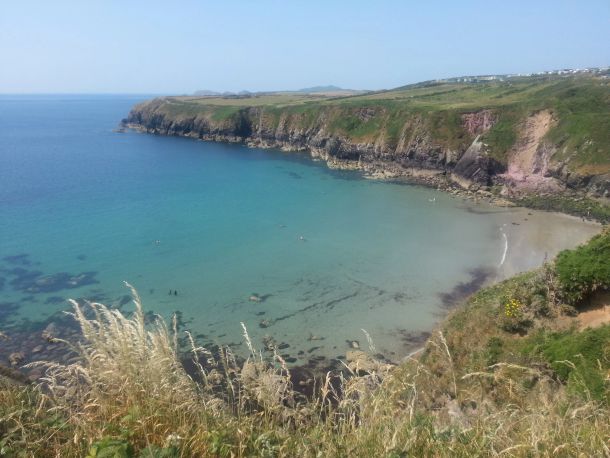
(512, 308)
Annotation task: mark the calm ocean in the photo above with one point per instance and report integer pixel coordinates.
(83, 208)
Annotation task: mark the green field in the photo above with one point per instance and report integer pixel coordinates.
(580, 106)
(279, 99)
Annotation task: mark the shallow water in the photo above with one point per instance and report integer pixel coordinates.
(83, 208)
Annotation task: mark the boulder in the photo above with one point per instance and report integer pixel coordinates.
(363, 363)
(50, 332)
(16, 358)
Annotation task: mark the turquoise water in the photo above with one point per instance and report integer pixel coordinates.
(83, 208)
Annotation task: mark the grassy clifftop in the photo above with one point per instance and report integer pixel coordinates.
(516, 371)
(540, 131)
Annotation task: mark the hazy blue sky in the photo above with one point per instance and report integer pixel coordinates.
(181, 46)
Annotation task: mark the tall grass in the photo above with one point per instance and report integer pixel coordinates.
(128, 394)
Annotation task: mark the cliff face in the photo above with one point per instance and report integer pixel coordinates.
(468, 147)
(415, 148)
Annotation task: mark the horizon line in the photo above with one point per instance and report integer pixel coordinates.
(191, 93)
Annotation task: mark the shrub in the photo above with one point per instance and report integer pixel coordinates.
(111, 448)
(589, 354)
(584, 269)
(580, 359)
(493, 350)
(515, 318)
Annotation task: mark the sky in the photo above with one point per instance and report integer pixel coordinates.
(180, 46)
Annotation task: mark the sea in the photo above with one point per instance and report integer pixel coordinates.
(222, 234)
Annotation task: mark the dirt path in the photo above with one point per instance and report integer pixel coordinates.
(597, 313)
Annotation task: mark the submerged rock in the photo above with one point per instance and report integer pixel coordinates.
(314, 337)
(269, 343)
(353, 344)
(18, 259)
(361, 362)
(15, 359)
(12, 376)
(7, 309)
(50, 332)
(33, 281)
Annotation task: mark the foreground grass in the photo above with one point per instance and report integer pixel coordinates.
(501, 377)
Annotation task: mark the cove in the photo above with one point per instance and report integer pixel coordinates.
(227, 234)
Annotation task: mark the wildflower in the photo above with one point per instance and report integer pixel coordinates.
(512, 308)
(173, 440)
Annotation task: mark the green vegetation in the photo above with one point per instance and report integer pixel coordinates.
(581, 206)
(584, 124)
(485, 384)
(255, 100)
(503, 135)
(224, 113)
(351, 124)
(585, 269)
(579, 134)
(580, 359)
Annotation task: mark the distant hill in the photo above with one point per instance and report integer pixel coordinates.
(207, 93)
(329, 88)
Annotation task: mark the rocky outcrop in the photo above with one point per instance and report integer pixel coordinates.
(479, 122)
(362, 363)
(529, 160)
(475, 166)
(414, 150)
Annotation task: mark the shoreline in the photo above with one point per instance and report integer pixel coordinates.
(568, 202)
(457, 293)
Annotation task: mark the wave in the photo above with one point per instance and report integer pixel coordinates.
(505, 248)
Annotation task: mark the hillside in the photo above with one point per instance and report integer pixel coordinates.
(518, 136)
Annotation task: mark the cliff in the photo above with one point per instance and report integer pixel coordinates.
(525, 136)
